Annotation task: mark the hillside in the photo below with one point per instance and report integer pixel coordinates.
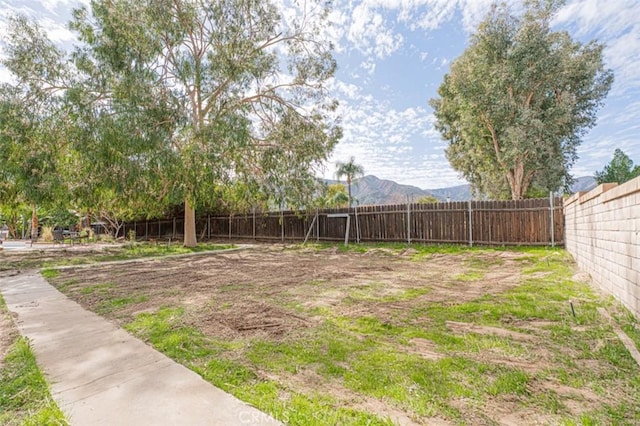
(372, 190)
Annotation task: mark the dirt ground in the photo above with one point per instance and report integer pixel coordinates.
(253, 293)
(239, 294)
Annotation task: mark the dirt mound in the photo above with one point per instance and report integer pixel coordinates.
(250, 319)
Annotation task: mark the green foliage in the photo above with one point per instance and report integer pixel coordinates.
(427, 199)
(619, 170)
(334, 195)
(31, 120)
(515, 104)
(197, 111)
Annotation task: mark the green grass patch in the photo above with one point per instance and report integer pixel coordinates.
(102, 289)
(25, 398)
(112, 305)
(469, 276)
(49, 273)
(143, 250)
(421, 251)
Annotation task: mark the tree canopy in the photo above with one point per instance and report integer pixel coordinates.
(516, 103)
(31, 126)
(620, 169)
(176, 101)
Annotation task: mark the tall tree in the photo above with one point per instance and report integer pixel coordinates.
(620, 169)
(516, 103)
(31, 119)
(211, 94)
(351, 171)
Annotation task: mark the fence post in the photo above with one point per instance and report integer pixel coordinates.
(408, 221)
(174, 228)
(229, 225)
(470, 227)
(146, 230)
(282, 225)
(355, 209)
(317, 226)
(254, 223)
(551, 208)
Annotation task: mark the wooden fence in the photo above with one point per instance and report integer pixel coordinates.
(525, 222)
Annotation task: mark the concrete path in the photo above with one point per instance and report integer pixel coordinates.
(101, 375)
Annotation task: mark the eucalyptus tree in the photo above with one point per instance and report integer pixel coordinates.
(351, 171)
(210, 95)
(31, 119)
(516, 103)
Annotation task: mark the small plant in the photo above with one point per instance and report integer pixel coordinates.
(88, 233)
(47, 234)
(131, 236)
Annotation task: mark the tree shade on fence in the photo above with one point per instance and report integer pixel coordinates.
(524, 222)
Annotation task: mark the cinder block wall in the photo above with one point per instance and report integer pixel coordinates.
(602, 232)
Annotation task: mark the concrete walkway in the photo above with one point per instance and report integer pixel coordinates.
(101, 375)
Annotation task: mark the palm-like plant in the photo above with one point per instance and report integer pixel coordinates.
(351, 171)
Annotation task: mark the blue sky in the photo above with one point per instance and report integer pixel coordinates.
(392, 56)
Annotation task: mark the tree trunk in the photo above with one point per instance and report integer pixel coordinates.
(516, 177)
(34, 223)
(189, 225)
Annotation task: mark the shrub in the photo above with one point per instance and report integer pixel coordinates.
(47, 234)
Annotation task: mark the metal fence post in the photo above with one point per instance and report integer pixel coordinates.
(408, 221)
(254, 223)
(355, 209)
(174, 228)
(470, 226)
(229, 226)
(551, 209)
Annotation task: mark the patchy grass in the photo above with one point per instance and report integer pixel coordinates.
(49, 259)
(464, 336)
(24, 393)
(418, 251)
(112, 305)
(102, 288)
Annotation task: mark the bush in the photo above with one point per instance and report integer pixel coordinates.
(47, 234)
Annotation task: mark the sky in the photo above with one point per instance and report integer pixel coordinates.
(393, 54)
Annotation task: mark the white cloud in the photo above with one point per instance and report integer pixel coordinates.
(371, 33)
(615, 23)
(383, 140)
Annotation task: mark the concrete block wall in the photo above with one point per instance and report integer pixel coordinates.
(602, 232)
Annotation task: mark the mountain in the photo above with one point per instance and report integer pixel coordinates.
(584, 183)
(372, 190)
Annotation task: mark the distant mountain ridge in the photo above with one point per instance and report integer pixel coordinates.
(373, 190)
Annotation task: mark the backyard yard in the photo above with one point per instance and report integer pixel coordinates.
(319, 335)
